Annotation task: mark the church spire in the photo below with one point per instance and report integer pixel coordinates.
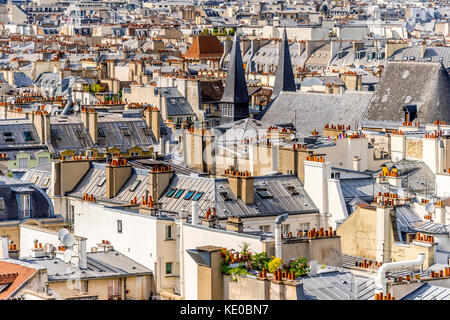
(284, 77)
(235, 98)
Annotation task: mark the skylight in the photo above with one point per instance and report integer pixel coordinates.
(189, 195)
(171, 192)
(197, 196)
(101, 181)
(178, 194)
(226, 196)
(134, 185)
(263, 193)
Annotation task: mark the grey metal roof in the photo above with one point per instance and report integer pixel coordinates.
(429, 292)
(284, 76)
(69, 135)
(424, 84)
(40, 176)
(415, 174)
(12, 133)
(22, 80)
(363, 188)
(99, 265)
(309, 111)
(113, 127)
(338, 286)
(432, 53)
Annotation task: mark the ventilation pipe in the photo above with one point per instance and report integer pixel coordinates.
(82, 254)
(278, 222)
(380, 280)
(195, 220)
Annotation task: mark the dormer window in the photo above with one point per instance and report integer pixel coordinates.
(28, 135)
(264, 193)
(25, 206)
(8, 136)
(125, 131)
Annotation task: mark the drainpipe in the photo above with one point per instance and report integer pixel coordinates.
(278, 222)
(380, 280)
(181, 256)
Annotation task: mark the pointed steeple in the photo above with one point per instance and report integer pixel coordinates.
(235, 99)
(284, 77)
(235, 85)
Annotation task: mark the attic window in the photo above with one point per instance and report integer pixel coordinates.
(8, 136)
(197, 196)
(226, 196)
(263, 193)
(147, 131)
(55, 135)
(101, 181)
(28, 136)
(134, 185)
(292, 190)
(178, 194)
(189, 195)
(171, 192)
(101, 132)
(125, 131)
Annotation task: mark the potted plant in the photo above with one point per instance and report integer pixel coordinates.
(244, 252)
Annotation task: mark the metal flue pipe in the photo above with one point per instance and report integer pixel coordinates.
(278, 222)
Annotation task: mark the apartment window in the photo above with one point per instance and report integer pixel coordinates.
(119, 226)
(168, 267)
(197, 196)
(25, 206)
(189, 195)
(303, 227)
(171, 192)
(114, 287)
(23, 163)
(134, 185)
(28, 135)
(264, 228)
(2, 207)
(285, 228)
(42, 160)
(168, 232)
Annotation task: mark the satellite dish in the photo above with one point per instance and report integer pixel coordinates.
(68, 240)
(61, 233)
(429, 207)
(67, 256)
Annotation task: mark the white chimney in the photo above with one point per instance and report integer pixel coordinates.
(383, 231)
(82, 254)
(316, 175)
(195, 220)
(162, 146)
(4, 250)
(278, 222)
(356, 163)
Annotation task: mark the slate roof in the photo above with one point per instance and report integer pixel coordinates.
(424, 84)
(235, 84)
(284, 76)
(309, 111)
(432, 53)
